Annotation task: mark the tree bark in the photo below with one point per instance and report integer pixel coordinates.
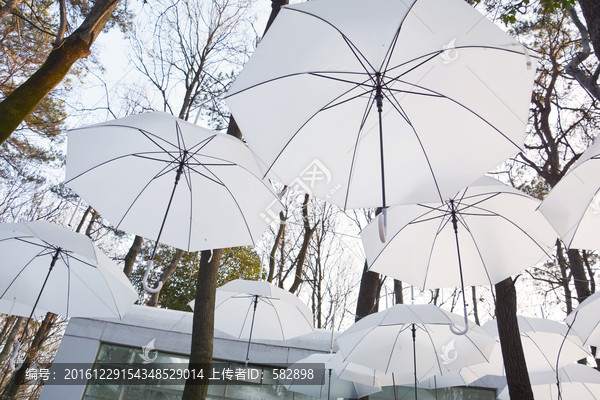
(519, 386)
(11, 390)
(591, 13)
(8, 7)
(166, 274)
(203, 323)
(580, 280)
(132, 254)
(367, 294)
(23, 100)
(475, 310)
(308, 232)
(565, 279)
(398, 294)
(272, 260)
(11, 338)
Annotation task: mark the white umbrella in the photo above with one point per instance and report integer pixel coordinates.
(543, 341)
(341, 93)
(585, 320)
(500, 234)
(573, 205)
(413, 342)
(60, 270)
(332, 386)
(259, 310)
(166, 179)
(577, 382)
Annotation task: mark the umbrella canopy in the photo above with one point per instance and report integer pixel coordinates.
(492, 230)
(11, 307)
(340, 97)
(543, 340)
(333, 386)
(577, 382)
(166, 179)
(83, 282)
(573, 205)
(60, 270)
(500, 234)
(585, 320)
(413, 342)
(259, 310)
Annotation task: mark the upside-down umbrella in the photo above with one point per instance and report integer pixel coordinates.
(413, 342)
(577, 382)
(61, 271)
(166, 179)
(573, 205)
(376, 103)
(332, 385)
(259, 310)
(584, 321)
(499, 229)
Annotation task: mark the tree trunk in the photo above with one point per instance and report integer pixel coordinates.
(515, 367)
(367, 294)
(475, 310)
(8, 7)
(11, 338)
(565, 279)
(398, 294)
(166, 274)
(582, 286)
(203, 323)
(11, 390)
(272, 261)
(591, 13)
(308, 232)
(132, 254)
(23, 100)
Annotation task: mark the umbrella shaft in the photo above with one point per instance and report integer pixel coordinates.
(52, 264)
(379, 101)
(414, 338)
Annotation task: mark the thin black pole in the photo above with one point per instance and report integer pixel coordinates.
(394, 386)
(251, 328)
(414, 337)
(52, 264)
(379, 102)
(460, 270)
(162, 225)
(329, 386)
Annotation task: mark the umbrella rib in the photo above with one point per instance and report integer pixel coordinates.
(441, 226)
(466, 47)
(203, 143)
(158, 175)
(515, 225)
(362, 60)
(104, 163)
(368, 108)
(580, 219)
(485, 269)
(245, 319)
(188, 180)
(278, 318)
(66, 262)
(21, 271)
(236, 203)
(420, 144)
(218, 182)
(466, 108)
(396, 234)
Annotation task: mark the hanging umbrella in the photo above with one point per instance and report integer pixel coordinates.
(543, 341)
(577, 382)
(341, 97)
(259, 310)
(61, 271)
(332, 386)
(585, 320)
(500, 234)
(573, 205)
(163, 178)
(413, 342)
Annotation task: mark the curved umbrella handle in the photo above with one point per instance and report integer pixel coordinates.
(457, 331)
(11, 363)
(145, 280)
(382, 223)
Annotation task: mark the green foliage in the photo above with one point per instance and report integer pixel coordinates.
(510, 11)
(180, 289)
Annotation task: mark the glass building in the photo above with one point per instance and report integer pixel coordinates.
(161, 338)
